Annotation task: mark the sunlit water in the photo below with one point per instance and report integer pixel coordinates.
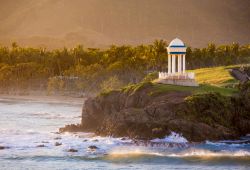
(26, 124)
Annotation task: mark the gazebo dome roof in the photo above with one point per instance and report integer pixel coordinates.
(176, 43)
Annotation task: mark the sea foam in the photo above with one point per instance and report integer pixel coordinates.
(207, 153)
(172, 138)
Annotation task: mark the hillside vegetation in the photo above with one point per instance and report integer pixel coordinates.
(86, 71)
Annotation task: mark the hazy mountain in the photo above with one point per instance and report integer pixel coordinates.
(99, 23)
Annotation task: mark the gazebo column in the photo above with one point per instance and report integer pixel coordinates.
(179, 63)
(184, 63)
(169, 63)
(173, 64)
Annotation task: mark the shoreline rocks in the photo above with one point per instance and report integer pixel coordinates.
(58, 144)
(139, 113)
(72, 150)
(4, 147)
(92, 148)
(40, 146)
(71, 128)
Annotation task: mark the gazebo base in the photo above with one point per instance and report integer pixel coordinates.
(178, 82)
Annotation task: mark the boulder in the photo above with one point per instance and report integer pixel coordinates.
(71, 128)
(92, 147)
(58, 144)
(40, 146)
(4, 147)
(72, 150)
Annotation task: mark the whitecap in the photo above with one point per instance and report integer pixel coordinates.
(207, 153)
(172, 138)
(132, 151)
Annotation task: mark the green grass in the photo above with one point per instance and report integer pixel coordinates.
(134, 87)
(214, 79)
(218, 76)
(203, 88)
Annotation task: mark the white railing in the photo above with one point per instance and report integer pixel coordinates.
(187, 75)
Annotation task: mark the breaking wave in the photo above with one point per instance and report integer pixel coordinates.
(172, 138)
(199, 153)
(208, 153)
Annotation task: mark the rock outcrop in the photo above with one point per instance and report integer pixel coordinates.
(139, 112)
(4, 147)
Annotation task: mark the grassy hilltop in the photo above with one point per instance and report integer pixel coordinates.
(218, 76)
(215, 79)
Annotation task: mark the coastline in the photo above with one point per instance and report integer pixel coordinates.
(37, 143)
(45, 98)
(147, 111)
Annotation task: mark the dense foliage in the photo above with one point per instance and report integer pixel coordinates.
(214, 108)
(90, 70)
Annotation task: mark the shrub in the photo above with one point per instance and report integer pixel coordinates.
(150, 77)
(210, 108)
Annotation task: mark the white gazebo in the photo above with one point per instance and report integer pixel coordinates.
(177, 66)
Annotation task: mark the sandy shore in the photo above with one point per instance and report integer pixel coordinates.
(44, 98)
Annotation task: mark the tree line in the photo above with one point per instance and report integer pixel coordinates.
(84, 70)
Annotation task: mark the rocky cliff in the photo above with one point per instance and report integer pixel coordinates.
(140, 112)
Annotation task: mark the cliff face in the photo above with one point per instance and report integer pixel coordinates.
(142, 112)
(133, 113)
(139, 113)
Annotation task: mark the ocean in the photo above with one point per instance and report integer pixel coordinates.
(29, 135)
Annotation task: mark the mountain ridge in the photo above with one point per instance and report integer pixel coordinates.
(96, 23)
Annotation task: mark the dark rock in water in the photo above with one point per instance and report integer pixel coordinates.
(71, 128)
(58, 144)
(44, 142)
(4, 147)
(57, 138)
(72, 150)
(93, 147)
(40, 146)
(123, 138)
(85, 140)
(144, 112)
(96, 140)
